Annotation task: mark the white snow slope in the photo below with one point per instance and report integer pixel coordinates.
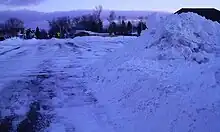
(166, 81)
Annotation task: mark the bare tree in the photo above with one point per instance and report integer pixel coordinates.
(97, 12)
(76, 20)
(14, 23)
(13, 26)
(112, 16)
(90, 22)
(61, 24)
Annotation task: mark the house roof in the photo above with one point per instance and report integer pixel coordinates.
(209, 13)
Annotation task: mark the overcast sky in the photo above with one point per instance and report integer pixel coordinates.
(66, 5)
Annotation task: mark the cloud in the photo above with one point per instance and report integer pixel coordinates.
(18, 3)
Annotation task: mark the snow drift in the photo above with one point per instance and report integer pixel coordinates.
(168, 80)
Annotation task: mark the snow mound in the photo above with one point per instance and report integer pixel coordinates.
(155, 18)
(167, 80)
(187, 36)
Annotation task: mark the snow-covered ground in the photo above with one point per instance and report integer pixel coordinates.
(167, 80)
(48, 73)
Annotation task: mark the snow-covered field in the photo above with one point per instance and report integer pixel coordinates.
(167, 80)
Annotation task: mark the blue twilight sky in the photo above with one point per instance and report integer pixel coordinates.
(66, 5)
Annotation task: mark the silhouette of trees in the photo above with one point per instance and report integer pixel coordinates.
(37, 33)
(129, 27)
(141, 26)
(13, 26)
(112, 17)
(61, 24)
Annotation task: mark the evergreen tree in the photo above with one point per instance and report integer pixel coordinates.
(28, 34)
(43, 34)
(100, 25)
(37, 33)
(123, 28)
(129, 27)
(112, 28)
(92, 26)
(141, 26)
(144, 26)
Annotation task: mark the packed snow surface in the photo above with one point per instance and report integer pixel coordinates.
(49, 74)
(167, 80)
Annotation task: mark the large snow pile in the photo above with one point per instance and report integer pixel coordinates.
(167, 81)
(155, 18)
(186, 36)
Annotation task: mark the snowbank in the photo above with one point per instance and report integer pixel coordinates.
(168, 80)
(186, 36)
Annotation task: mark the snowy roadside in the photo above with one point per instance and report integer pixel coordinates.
(47, 78)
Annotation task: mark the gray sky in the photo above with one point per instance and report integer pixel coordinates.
(66, 5)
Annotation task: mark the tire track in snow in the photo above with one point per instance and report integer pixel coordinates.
(53, 94)
(40, 97)
(3, 53)
(22, 100)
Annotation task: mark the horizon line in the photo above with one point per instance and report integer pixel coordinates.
(86, 10)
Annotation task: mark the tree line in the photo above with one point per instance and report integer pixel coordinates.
(122, 27)
(14, 27)
(93, 22)
(66, 26)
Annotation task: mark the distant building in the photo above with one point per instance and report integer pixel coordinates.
(209, 13)
(76, 29)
